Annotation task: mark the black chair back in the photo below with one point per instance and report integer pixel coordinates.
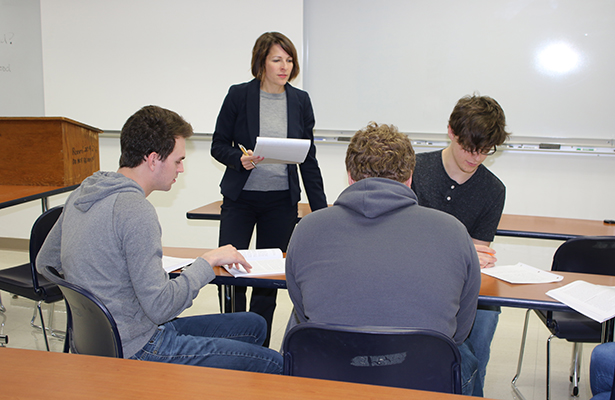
(587, 254)
(91, 328)
(400, 357)
(40, 230)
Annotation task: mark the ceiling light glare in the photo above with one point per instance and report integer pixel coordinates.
(558, 58)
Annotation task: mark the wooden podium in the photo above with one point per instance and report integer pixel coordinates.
(47, 151)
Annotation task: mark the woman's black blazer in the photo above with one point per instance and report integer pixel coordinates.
(238, 122)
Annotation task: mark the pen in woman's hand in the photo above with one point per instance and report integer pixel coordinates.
(245, 152)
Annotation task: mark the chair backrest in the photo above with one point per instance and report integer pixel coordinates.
(91, 328)
(401, 357)
(587, 254)
(40, 230)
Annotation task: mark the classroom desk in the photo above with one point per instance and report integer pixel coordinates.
(211, 211)
(11, 195)
(524, 226)
(37, 374)
(493, 292)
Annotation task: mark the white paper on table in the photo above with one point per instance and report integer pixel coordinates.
(264, 262)
(281, 150)
(594, 301)
(174, 263)
(521, 273)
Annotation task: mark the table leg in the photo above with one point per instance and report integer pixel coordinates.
(44, 203)
(607, 330)
(227, 298)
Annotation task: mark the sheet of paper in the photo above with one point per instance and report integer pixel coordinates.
(264, 262)
(594, 301)
(261, 254)
(173, 263)
(281, 150)
(521, 273)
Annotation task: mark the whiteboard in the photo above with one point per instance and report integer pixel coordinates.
(21, 70)
(550, 64)
(103, 60)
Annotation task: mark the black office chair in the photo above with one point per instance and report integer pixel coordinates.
(90, 327)
(419, 359)
(24, 280)
(586, 254)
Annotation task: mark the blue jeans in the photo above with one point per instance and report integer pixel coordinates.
(230, 341)
(601, 370)
(469, 366)
(275, 217)
(479, 343)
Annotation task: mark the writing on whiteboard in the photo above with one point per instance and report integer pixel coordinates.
(7, 38)
(5, 68)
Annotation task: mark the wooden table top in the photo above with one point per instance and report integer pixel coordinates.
(551, 227)
(11, 195)
(34, 374)
(493, 291)
(510, 224)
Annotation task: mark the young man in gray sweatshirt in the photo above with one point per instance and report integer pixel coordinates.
(378, 258)
(108, 240)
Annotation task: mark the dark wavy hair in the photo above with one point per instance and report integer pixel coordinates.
(152, 129)
(479, 123)
(380, 151)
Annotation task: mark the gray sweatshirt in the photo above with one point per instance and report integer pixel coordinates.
(377, 258)
(108, 240)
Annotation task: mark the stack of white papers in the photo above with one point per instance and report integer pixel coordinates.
(264, 262)
(171, 264)
(281, 150)
(594, 301)
(521, 273)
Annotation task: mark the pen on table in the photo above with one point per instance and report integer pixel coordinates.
(245, 152)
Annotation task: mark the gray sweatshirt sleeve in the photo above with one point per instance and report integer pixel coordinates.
(139, 232)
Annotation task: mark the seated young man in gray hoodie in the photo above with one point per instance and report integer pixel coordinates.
(378, 258)
(108, 240)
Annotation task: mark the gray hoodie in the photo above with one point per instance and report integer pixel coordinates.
(108, 240)
(378, 258)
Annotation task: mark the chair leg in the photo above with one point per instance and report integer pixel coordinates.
(55, 333)
(520, 362)
(549, 366)
(575, 369)
(4, 339)
(42, 327)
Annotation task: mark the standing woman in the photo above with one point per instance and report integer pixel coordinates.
(265, 195)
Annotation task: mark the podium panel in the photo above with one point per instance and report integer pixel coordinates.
(47, 151)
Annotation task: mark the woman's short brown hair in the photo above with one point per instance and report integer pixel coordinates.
(261, 50)
(380, 151)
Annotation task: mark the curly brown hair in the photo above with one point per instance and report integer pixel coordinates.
(380, 151)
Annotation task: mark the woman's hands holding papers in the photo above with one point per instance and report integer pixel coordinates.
(485, 255)
(226, 255)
